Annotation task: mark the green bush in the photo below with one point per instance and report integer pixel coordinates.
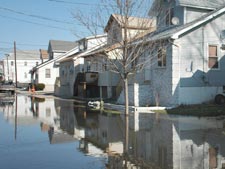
(39, 86)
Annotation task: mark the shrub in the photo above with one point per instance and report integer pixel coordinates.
(39, 86)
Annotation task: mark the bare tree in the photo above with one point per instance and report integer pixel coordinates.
(126, 47)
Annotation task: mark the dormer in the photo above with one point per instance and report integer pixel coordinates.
(178, 12)
(91, 42)
(82, 45)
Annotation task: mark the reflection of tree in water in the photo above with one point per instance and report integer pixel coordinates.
(170, 141)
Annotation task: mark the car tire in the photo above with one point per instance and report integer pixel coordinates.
(220, 99)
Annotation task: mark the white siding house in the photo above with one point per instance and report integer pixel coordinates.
(48, 71)
(187, 59)
(73, 63)
(25, 61)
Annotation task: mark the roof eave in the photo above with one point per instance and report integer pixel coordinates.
(179, 33)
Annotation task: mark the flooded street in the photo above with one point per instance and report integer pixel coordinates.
(61, 134)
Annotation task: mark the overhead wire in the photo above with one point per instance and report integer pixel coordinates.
(76, 3)
(35, 16)
(35, 23)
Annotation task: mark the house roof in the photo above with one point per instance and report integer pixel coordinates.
(72, 51)
(82, 54)
(69, 53)
(177, 31)
(25, 55)
(133, 22)
(201, 4)
(207, 4)
(61, 46)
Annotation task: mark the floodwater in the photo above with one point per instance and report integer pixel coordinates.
(60, 134)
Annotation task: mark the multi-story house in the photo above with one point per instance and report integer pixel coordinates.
(25, 61)
(105, 83)
(73, 66)
(48, 71)
(186, 52)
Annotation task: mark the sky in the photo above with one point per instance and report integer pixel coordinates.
(32, 23)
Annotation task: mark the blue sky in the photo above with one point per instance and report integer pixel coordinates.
(20, 22)
(32, 23)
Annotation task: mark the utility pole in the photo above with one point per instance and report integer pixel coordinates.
(15, 62)
(7, 58)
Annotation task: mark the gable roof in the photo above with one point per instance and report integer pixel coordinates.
(25, 55)
(206, 4)
(133, 22)
(82, 54)
(66, 54)
(201, 4)
(61, 56)
(61, 46)
(178, 31)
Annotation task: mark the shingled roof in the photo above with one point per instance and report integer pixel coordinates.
(25, 55)
(61, 46)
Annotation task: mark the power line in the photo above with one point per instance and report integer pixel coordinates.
(21, 44)
(35, 23)
(75, 3)
(35, 16)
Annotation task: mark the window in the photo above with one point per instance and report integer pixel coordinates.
(11, 63)
(213, 57)
(213, 152)
(25, 63)
(48, 112)
(162, 57)
(47, 73)
(88, 66)
(169, 16)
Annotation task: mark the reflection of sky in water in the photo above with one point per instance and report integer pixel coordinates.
(32, 148)
(56, 134)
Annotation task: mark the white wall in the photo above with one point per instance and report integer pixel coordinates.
(197, 95)
(49, 82)
(22, 70)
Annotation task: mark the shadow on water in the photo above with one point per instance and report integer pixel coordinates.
(138, 141)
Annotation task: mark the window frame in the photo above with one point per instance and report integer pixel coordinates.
(217, 57)
(162, 57)
(47, 74)
(169, 16)
(25, 75)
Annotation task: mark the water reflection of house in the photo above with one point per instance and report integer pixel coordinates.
(46, 112)
(177, 142)
(59, 137)
(21, 115)
(104, 132)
